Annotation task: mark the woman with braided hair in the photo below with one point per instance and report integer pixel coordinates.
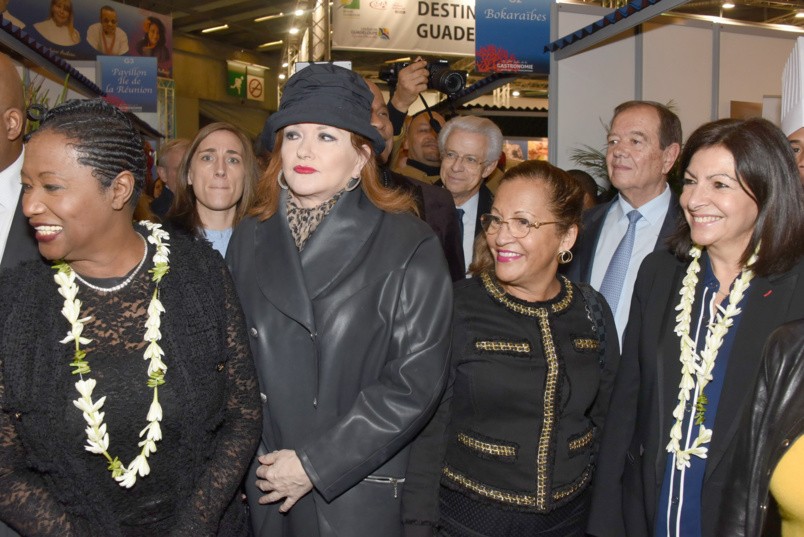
(127, 389)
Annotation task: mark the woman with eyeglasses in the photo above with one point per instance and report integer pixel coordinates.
(511, 449)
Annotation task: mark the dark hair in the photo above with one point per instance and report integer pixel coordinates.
(104, 138)
(669, 124)
(162, 37)
(183, 213)
(389, 200)
(767, 171)
(107, 8)
(586, 181)
(565, 202)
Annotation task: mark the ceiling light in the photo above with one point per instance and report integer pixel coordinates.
(271, 44)
(515, 93)
(285, 64)
(800, 14)
(215, 28)
(294, 31)
(282, 77)
(727, 5)
(269, 17)
(299, 12)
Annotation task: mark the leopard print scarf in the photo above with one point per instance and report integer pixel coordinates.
(302, 222)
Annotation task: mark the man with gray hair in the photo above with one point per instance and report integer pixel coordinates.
(470, 148)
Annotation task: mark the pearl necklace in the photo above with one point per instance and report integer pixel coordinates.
(97, 437)
(700, 366)
(126, 282)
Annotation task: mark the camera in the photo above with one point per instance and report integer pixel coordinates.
(441, 78)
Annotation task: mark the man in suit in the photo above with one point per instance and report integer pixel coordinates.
(17, 242)
(470, 148)
(435, 204)
(643, 143)
(167, 168)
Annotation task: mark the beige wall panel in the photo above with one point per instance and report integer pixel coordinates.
(677, 66)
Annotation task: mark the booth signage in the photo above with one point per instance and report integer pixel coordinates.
(426, 27)
(96, 28)
(511, 35)
(129, 82)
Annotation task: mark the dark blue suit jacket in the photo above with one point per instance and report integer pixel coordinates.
(580, 269)
(21, 244)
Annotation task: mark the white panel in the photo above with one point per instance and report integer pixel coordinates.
(772, 109)
(751, 67)
(590, 85)
(677, 66)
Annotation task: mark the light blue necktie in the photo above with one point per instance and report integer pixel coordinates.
(612, 285)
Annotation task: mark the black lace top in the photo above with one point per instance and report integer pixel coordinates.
(211, 417)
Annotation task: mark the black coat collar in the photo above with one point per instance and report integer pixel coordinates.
(327, 254)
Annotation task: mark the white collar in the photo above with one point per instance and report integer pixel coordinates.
(10, 186)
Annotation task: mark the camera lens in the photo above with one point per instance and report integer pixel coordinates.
(447, 81)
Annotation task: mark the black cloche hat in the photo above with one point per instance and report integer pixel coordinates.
(328, 95)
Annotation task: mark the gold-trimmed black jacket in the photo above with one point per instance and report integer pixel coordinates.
(527, 397)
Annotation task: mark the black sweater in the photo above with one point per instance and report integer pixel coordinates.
(211, 408)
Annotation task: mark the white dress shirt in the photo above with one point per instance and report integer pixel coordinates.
(469, 223)
(614, 228)
(118, 44)
(10, 189)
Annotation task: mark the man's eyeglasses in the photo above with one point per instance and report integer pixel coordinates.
(468, 161)
(518, 227)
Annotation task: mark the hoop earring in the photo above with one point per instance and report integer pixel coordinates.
(564, 257)
(350, 186)
(279, 177)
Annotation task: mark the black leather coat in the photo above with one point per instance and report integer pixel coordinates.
(776, 420)
(351, 340)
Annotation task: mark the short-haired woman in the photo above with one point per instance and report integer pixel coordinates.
(128, 399)
(215, 186)
(512, 447)
(699, 318)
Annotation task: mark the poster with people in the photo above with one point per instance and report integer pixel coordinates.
(85, 29)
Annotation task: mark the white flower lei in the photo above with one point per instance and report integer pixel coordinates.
(701, 367)
(97, 437)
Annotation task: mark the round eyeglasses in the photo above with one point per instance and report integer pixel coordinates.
(518, 227)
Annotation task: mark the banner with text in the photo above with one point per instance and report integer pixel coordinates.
(129, 82)
(86, 29)
(423, 27)
(511, 35)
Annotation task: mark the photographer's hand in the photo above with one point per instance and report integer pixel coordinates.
(412, 81)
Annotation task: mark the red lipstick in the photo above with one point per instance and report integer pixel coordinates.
(305, 170)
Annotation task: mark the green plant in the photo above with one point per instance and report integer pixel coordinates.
(33, 94)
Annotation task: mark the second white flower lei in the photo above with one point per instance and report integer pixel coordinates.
(700, 367)
(97, 437)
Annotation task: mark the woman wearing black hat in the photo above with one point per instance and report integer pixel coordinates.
(348, 303)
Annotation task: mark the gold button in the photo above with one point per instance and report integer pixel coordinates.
(220, 367)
